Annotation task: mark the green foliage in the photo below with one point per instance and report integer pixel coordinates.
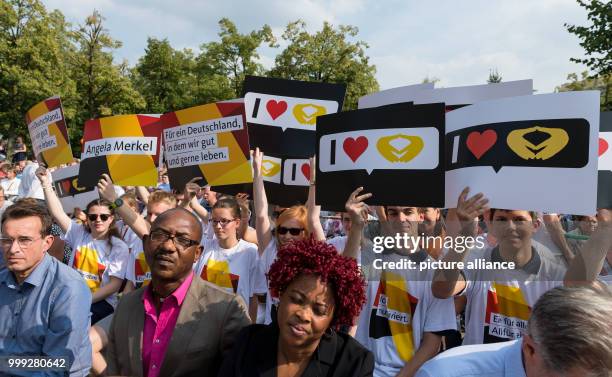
(165, 77)
(226, 63)
(584, 82)
(103, 88)
(33, 62)
(42, 55)
(494, 77)
(596, 39)
(327, 56)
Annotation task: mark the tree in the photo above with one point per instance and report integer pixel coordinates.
(34, 45)
(103, 88)
(585, 82)
(226, 63)
(596, 39)
(327, 56)
(494, 77)
(165, 77)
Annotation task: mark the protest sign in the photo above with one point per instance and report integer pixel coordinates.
(528, 152)
(68, 190)
(124, 146)
(48, 133)
(208, 141)
(395, 152)
(604, 151)
(282, 115)
(453, 97)
(393, 95)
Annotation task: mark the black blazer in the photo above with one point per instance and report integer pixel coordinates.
(255, 349)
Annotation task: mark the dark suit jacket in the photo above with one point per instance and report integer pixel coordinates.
(205, 331)
(338, 355)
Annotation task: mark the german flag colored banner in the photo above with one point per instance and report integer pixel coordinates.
(48, 133)
(208, 141)
(124, 146)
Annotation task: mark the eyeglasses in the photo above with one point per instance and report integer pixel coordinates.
(102, 216)
(222, 222)
(161, 236)
(23, 242)
(293, 231)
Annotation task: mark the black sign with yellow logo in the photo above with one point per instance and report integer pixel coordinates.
(551, 143)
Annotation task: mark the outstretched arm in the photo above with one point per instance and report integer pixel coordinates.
(587, 264)
(314, 211)
(260, 201)
(358, 211)
(53, 203)
(450, 282)
(132, 219)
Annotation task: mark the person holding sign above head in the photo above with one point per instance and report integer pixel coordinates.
(402, 323)
(502, 283)
(99, 255)
(291, 225)
(227, 261)
(318, 291)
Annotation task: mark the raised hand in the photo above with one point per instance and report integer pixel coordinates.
(106, 189)
(43, 176)
(356, 208)
(469, 209)
(257, 161)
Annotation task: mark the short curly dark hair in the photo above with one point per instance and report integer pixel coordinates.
(310, 257)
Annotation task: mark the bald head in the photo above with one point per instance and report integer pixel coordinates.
(183, 214)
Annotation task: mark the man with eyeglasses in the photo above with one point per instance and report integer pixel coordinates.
(177, 325)
(42, 307)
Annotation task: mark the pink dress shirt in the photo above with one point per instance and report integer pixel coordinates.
(158, 327)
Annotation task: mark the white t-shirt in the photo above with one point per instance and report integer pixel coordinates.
(399, 308)
(499, 302)
(234, 269)
(96, 260)
(338, 242)
(11, 187)
(261, 285)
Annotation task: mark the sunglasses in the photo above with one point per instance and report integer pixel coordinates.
(102, 216)
(293, 231)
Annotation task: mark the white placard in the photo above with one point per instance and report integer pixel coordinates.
(564, 190)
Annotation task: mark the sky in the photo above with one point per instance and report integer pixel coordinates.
(457, 42)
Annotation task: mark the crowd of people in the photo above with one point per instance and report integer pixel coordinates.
(154, 281)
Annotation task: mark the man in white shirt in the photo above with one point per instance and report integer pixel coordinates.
(11, 183)
(560, 318)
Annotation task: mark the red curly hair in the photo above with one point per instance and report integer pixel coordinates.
(317, 258)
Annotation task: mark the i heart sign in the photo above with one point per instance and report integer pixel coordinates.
(603, 146)
(306, 171)
(355, 147)
(479, 143)
(276, 108)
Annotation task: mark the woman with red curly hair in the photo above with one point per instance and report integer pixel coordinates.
(293, 224)
(318, 290)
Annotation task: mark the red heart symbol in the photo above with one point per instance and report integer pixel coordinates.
(479, 143)
(306, 171)
(603, 146)
(66, 185)
(355, 147)
(275, 108)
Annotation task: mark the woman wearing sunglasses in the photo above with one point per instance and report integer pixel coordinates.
(99, 255)
(292, 224)
(226, 260)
